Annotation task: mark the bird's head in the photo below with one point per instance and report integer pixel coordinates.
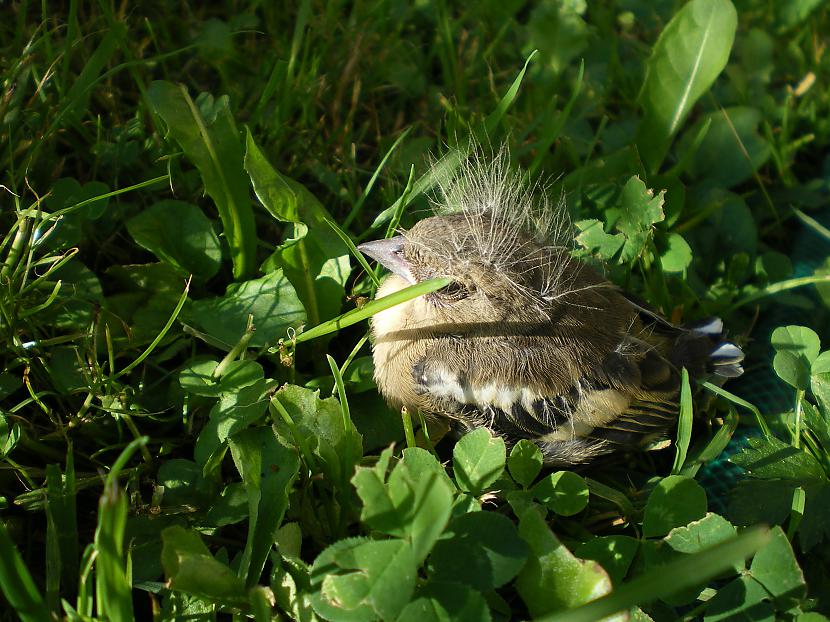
(499, 271)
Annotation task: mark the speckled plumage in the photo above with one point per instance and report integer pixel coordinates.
(526, 340)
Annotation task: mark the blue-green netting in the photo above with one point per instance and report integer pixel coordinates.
(760, 385)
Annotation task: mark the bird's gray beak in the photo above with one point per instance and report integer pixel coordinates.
(389, 254)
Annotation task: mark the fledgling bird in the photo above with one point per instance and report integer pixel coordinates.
(527, 340)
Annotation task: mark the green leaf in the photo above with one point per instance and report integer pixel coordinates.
(478, 460)
(234, 411)
(360, 579)
(179, 234)
(770, 458)
(690, 53)
(815, 527)
(564, 492)
(414, 504)
(674, 502)
(732, 149)
(638, 210)
(482, 550)
(199, 377)
(560, 33)
(796, 347)
(678, 254)
(701, 534)
(189, 567)
(614, 553)
(316, 426)
(206, 132)
(761, 501)
(315, 259)
(821, 364)
(776, 568)
(553, 579)
(593, 237)
(272, 301)
(742, 599)
(268, 470)
(446, 602)
(668, 579)
(525, 462)
(184, 484)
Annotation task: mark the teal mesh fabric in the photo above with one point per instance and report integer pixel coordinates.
(760, 385)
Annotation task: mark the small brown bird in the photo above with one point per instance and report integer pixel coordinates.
(527, 340)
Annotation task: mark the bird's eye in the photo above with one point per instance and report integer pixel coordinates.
(453, 291)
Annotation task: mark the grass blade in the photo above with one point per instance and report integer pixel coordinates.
(370, 308)
(684, 424)
(17, 584)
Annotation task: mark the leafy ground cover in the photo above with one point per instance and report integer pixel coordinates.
(189, 428)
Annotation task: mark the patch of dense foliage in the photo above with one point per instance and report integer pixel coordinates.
(189, 428)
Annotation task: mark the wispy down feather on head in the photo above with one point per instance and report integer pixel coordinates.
(493, 223)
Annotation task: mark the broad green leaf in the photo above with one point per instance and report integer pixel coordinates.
(230, 507)
(821, 364)
(234, 411)
(482, 550)
(525, 462)
(564, 492)
(206, 132)
(690, 53)
(189, 567)
(593, 237)
(742, 599)
(316, 260)
(665, 580)
(732, 149)
(359, 579)
(553, 579)
(776, 568)
(761, 501)
(272, 301)
(614, 553)
(414, 503)
(316, 426)
(268, 470)
(199, 378)
(446, 602)
(638, 210)
(678, 254)
(559, 31)
(770, 458)
(701, 534)
(179, 234)
(65, 193)
(478, 460)
(814, 527)
(796, 347)
(184, 484)
(674, 502)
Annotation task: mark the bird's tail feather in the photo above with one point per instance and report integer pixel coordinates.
(724, 357)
